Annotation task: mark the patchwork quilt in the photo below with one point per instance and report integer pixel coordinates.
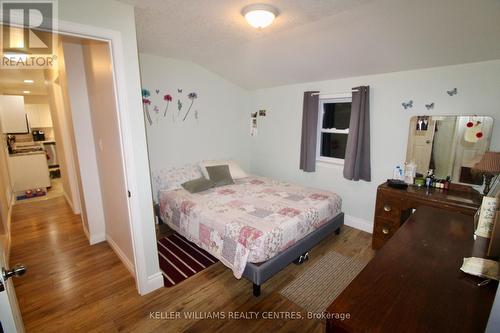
(249, 221)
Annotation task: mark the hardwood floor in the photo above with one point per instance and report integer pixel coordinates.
(73, 287)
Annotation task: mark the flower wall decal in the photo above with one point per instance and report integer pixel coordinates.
(154, 101)
(179, 106)
(168, 99)
(192, 96)
(146, 102)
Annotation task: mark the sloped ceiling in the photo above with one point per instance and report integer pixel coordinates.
(319, 39)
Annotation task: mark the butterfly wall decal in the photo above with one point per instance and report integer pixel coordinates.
(429, 106)
(179, 91)
(407, 105)
(452, 92)
(157, 91)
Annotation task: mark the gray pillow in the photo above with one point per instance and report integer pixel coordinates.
(198, 185)
(220, 175)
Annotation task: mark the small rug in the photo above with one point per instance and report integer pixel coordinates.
(319, 285)
(34, 195)
(181, 259)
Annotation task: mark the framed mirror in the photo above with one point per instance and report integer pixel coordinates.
(450, 145)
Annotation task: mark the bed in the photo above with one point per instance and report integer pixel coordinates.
(256, 226)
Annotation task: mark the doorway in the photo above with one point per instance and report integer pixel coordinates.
(68, 119)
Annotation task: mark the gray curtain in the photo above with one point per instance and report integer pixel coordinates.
(309, 132)
(357, 155)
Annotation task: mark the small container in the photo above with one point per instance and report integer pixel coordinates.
(419, 182)
(428, 181)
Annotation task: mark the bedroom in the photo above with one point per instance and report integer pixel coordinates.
(279, 105)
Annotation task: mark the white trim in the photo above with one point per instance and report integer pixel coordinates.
(94, 239)
(335, 131)
(120, 255)
(144, 282)
(154, 282)
(70, 203)
(335, 98)
(358, 223)
(330, 160)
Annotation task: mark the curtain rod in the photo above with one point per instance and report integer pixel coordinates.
(342, 92)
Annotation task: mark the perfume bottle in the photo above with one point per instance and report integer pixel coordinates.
(429, 178)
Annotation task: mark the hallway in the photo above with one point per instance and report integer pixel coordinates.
(67, 281)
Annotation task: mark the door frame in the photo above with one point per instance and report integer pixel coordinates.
(145, 282)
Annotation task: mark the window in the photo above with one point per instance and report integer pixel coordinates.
(333, 128)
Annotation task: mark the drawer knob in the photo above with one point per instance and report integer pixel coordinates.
(385, 231)
(387, 208)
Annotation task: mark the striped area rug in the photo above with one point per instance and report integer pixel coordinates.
(180, 259)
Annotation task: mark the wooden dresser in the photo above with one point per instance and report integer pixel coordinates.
(394, 206)
(414, 283)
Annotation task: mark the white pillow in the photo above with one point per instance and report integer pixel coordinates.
(234, 168)
(172, 178)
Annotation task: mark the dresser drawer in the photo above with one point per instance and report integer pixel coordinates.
(383, 230)
(388, 206)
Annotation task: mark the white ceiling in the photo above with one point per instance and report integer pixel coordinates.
(12, 81)
(319, 39)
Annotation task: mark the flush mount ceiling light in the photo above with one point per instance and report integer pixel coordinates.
(259, 15)
(29, 81)
(26, 92)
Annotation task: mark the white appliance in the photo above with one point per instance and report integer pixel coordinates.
(50, 149)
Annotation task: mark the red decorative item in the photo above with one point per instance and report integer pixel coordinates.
(470, 124)
(479, 135)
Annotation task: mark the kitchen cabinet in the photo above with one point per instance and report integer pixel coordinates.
(29, 171)
(12, 114)
(39, 115)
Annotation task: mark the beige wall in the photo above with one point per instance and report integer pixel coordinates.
(74, 84)
(63, 133)
(101, 95)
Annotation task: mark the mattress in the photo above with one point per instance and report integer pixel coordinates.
(250, 221)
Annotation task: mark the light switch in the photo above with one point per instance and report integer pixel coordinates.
(100, 145)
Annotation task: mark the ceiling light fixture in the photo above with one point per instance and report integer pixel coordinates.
(26, 91)
(259, 15)
(29, 81)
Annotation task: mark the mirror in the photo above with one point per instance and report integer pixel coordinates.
(450, 145)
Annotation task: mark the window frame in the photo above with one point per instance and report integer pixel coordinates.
(327, 99)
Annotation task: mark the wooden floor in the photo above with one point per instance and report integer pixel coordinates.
(73, 287)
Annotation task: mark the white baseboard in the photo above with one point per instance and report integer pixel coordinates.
(70, 203)
(94, 239)
(154, 282)
(358, 223)
(121, 255)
